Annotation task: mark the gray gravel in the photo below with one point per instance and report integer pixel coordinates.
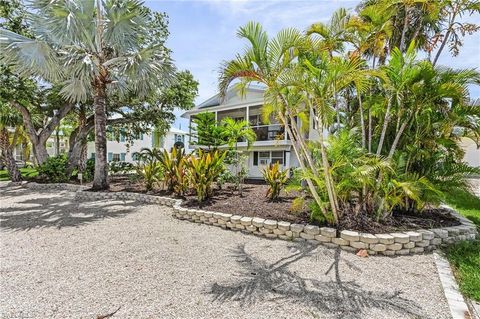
(66, 259)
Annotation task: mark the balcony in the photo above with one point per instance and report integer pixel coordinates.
(274, 132)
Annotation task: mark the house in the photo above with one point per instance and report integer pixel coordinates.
(124, 150)
(273, 144)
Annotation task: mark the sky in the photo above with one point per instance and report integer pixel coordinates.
(203, 33)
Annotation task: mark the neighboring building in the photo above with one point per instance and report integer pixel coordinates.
(272, 144)
(124, 150)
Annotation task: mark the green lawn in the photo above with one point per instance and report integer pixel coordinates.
(465, 256)
(26, 172)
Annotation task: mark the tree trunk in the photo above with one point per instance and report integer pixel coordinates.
(101, 166)
(10, 162)
(442, 46)
(384, 128)
(39, 140)
(404, 30)
(362, 121)
(397, 139)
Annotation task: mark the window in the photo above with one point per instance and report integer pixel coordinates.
(277, 157)
(265, 158)
(92, 155)
(116, 157)
(179, 138)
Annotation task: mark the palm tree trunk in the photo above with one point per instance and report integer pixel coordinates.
(384, 128)
(7, 151)
(101, 166)
(442, 46)
(310, 184)
(362, 121)
(404, 30)
(397, 139)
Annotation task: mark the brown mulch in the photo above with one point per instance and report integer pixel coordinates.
(253, 203)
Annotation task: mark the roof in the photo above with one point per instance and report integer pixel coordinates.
(217, 100)
(176, 131)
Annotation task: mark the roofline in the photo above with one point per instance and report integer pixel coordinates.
(188, 113)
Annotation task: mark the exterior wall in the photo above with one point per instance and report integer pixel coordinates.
(125, 150)
(472, 153)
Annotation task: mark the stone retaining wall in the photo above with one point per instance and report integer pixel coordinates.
(390, 244)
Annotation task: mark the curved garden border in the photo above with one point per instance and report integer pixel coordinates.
(389, 244)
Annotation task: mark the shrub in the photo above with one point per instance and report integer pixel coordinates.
(121, 167)
(276, 179)
(54, 169)
(89, 170)
(174, 170)
(203, 171)
(151, 172)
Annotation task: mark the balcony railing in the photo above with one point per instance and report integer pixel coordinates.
(272, 132)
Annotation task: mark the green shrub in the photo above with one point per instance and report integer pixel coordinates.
(151, 172)
(54, 169)
(203, 171)
(89, 170)
(120, 167)
(174, 170)
(276, 180)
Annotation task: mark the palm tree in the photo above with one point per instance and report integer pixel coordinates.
(233, 132)
(92, 47)
(9, 119)
(266, 61)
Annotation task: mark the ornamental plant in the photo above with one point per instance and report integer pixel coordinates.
(203, 171)
(174, 165)
(276, 179)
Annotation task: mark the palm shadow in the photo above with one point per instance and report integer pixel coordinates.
(58, 212)
(260, 281)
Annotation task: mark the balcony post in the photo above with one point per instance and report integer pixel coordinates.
(247, 114)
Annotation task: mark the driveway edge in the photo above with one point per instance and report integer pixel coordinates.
(456, 302)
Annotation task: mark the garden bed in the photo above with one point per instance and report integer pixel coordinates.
(253, 203)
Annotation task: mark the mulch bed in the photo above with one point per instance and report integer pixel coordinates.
(253, 203)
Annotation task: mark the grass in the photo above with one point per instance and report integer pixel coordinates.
(26, 172)
(465, 256)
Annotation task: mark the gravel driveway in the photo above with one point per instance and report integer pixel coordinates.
(66, 259)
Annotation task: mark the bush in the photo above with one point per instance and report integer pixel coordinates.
(54, 169)
(174, 170)
(120, 167)
(151, 173)
(276, 179)
(89, 170)
(203, 171)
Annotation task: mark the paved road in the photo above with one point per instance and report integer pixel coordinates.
(66, 259)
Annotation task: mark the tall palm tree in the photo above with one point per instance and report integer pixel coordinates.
(91, 47)
(265, 61)
(9, 119)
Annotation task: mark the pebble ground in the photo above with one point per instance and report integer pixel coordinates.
(60, 258)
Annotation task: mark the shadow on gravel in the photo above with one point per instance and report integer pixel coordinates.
(60, 212)
(259, 281)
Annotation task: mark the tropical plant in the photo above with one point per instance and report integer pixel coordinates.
(151, 173)
(203, 171)
(9, 119)
(54, 169)
(235, 131)
(276, 180)
(174, 170)
(205, 131)
(92, 47)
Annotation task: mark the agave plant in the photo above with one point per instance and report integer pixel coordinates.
(276, 179)
(204, 170)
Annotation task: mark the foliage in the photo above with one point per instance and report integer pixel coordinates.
(89, 170)
(26, 172)
(54, 169)
(276, 180)
(465, 258)
(174, 170)
(206, 132)
(203, 171)
(121, 167)
(151, 173)
(395, 122)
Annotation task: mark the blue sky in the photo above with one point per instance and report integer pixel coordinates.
(203, 32)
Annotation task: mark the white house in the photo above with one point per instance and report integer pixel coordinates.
(272, 144)
(124, 150)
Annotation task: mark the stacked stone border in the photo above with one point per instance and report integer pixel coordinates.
(389, 244)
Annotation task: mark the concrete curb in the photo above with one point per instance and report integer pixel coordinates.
(456, 302)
